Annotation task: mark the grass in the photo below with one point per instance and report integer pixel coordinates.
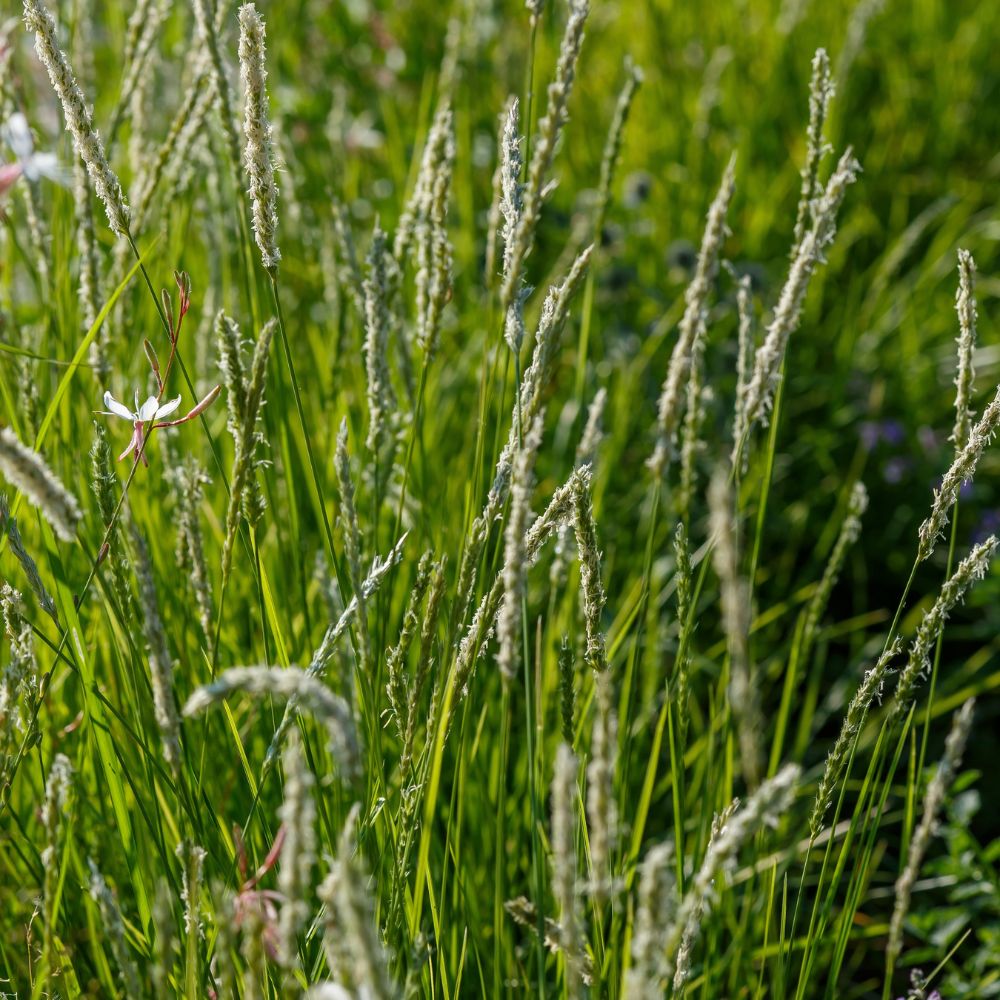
(412, 880)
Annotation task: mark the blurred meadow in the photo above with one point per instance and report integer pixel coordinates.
(546, 811)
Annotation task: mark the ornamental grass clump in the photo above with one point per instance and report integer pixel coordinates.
(557, 605)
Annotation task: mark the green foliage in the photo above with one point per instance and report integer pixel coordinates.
(448, 822)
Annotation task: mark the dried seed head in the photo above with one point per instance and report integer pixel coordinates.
(20, 553)
(972, 568)
(79, 119)
(515, 568)
(258, 155)
(788, 312)
(869, 689)
(821, 90)
(965, 306)
(937, 789)
(963, 468)
(161, 663)
(298, 852)
(378, 321)
(735, 599)
(27, 471)
(691, 328)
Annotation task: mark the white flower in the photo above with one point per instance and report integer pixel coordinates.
(17, 135)
(150, 411)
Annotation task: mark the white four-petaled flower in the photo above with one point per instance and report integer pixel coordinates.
(17, 135)
(150, 411)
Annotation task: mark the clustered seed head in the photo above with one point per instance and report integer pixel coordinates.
(972, 568)
(26, 470)
(79, 119)
(936, 791)
(764, 808)
(245, 402)
(735, 600)
(848, 535)
(350, 934)
(564, 796)
(788, 312)
(20, 553)
(549, 130)
(691, 328)
(111, 917)
(298, 852)
(962, 469)
(258, 155)
(515, 567)
(821, 91)
(378, 321)
(965, 306)
(869, 689)
(161, 663)
(591, 588)
(602, 807)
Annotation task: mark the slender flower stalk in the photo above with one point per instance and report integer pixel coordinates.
(821, 91)
(298, 851)
(972, 568)
(378, 321)
(258, 156)
(848, 535)
(57, 789)
(764, 808)
(292, 683)
(21, 554)
(111, 917)
(735, 598)
(564, 797)
(28, 472)
(869, 690)
(352, 541)
(515, 567)
(788, 312)
(79, 119)
(693, 322)
(549, 130)
(350, 915)
(965, 306)
(161, 663)
(933, 800)
(962, 469)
